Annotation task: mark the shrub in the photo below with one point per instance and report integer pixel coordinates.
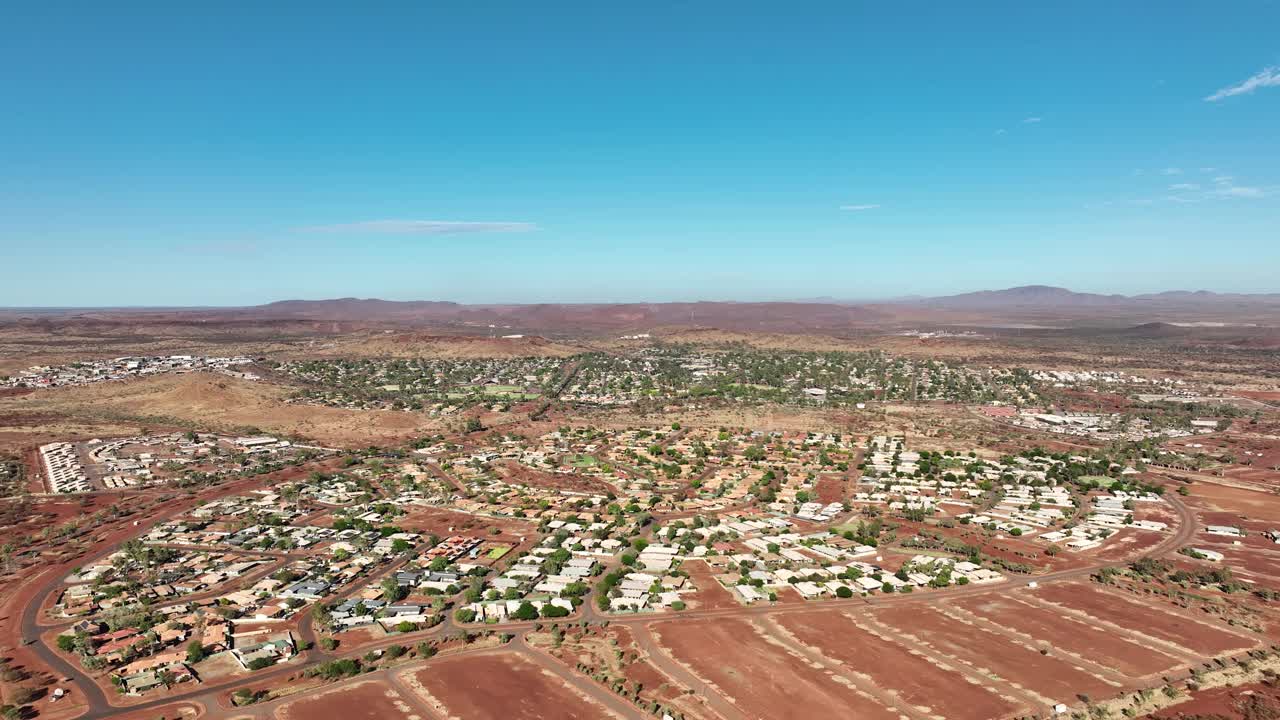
(260, 663)
(526, 611)
(554, 611)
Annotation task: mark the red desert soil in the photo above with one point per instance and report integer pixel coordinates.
(1243, 702)
(419, 344)
(1161, 622)
(224, 403)
(711, 594)
(1258, 394)
(514, 472)
(501, 687)
(644, 672)
(444, 522)
(1127, 543)
(915, 679)
(830, 488)
(373, 700)
(763, 681)
(655, 684)
(1057, 630)
(1256, 504)
(1050, 677)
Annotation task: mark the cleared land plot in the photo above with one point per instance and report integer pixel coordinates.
(444, 522)
(711, 594)
(1050, 677)
(758, 677)
(615, 651)
(226, 404)
(1159, 622)
(1258, 504)
(915, 679)
(372, 700)
(502, 686)
(1060, 630)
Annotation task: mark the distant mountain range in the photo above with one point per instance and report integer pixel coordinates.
(1047, 296)
(1030, 306)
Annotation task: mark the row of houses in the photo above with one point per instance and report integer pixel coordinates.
(63, 469)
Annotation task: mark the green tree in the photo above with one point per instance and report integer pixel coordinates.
(195, 652)
(392, 591)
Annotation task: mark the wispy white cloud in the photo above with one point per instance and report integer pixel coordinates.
(1240, 191)
(1223, 188)
(858, 207)
(1267, 77)
(1220, 188)
(1031, 120)
(423, 227)
(1001, 131)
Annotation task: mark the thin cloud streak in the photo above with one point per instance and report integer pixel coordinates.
(1241, 191)
(423, 227)
(1222, 188)
(1267, 77)
(857, 208)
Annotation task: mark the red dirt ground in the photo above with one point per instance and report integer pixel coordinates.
(1258, 394)
(501, 687)
(1014, 549)
(830, 488)
(1056, 630)
(514, 472)
(711, 594)
(1162, 622)
(1051, 677)
(655, 684)
(1226, 703)
(1128, 543)
(371, 700)
(1252, 560)
(439, 521)
(762, 681)
(652, 679)
(915, 679)
(1256, 504)
(1250, 452)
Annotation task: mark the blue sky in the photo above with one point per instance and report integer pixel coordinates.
(236, 153)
